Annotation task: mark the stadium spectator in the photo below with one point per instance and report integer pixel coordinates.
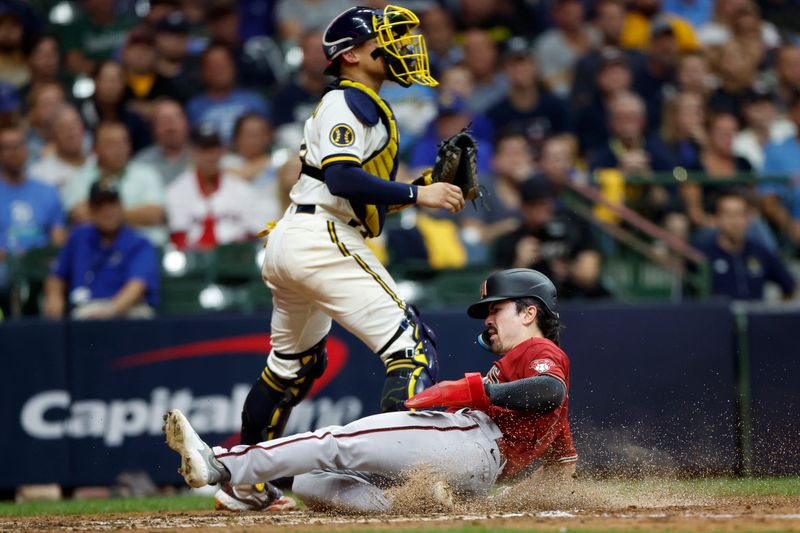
(106, 269)
(143, 83)
(453, 115)
(44, 63)
(684, 128)
(652, 82)
(259, 61)
(557, 162)
(633, 152)
(549, 240)
(608, 22)
(294, 102)
(781, 206)
(641, 20)
(140, 188)
(787, 69)
(717, 161)
(31, 215)
(695, 12)
(480, 58)
(173, 58)
(222, 103)
(107, 104)
(42, 100)
(9, 105)
(762, 125)
(207, 206)
(13, 66)
(93, 34)
(169, 153)
(295, 17)
(501, 19)
(252, 161)
(159, 10)
(558, 49)
(437, 26)
(693, 73)
(740, 265)
(458, 81)
(527, 107)
(591, 116)
(720, 29)
(69, 155)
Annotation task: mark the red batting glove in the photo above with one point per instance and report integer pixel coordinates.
(467, 392)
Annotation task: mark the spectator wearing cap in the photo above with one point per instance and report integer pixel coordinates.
(453, 115)
(641, 25)
(140, 188)
(31, 214)
(719, 30)
(93, 34)
(558, 49)
(781, 205)
(658, 75)
(42, 101)
(259, 61)
(44, 63)
(143, 83)
(740, 265)
(762, 125)
(551, 241)
(207, 206)
(609, 17)
(613, 77)
(169, 153)
(107, 104)
(174, 61)
(480, 58)
(437, 26)
(69, 153)
(106, 269)
(527, 107)
(13, 66)
(222, 103)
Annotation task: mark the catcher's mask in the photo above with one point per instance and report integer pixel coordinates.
(392, 27)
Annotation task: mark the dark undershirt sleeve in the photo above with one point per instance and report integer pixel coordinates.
(540, 394)
(354, 183)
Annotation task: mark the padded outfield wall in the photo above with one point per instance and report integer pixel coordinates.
(655, 388)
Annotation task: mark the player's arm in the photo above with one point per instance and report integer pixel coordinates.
(348, 180)
(538, 394)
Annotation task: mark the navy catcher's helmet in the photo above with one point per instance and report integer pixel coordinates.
(393, 28)
(512, 284)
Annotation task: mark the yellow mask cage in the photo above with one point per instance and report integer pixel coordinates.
(407, 55)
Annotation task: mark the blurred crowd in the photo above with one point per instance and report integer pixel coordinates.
(133, 126)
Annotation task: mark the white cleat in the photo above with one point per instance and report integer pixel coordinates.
(199, 467)
(263, 497)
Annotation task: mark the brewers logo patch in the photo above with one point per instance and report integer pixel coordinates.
(541, 365)
(342, 135)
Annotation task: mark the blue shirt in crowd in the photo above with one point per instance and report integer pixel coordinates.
(783, 159)
(742, 276)
(93, 271)
(222, 113)
(28, 213)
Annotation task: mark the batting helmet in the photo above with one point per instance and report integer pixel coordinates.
(512, 284)
(392, 27)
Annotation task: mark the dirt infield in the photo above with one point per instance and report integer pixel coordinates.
(645, 506)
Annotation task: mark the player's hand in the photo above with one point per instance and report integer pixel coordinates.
(441, 194)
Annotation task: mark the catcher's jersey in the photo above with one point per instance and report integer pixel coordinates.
(350, 124)
(529, 436)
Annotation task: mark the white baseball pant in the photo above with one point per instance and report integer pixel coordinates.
(320, 268)
(460, 446)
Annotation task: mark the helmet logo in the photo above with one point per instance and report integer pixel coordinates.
(483, 289)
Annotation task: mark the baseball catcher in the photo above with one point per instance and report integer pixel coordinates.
(497, 425)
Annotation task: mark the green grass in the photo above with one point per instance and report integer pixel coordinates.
(703, 487)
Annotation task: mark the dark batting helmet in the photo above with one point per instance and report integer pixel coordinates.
(513, 284)
(393, 28)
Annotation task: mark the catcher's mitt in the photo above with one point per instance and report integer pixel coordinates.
(457, 163)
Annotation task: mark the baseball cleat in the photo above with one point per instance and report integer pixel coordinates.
(258, 497)
(199, 467)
